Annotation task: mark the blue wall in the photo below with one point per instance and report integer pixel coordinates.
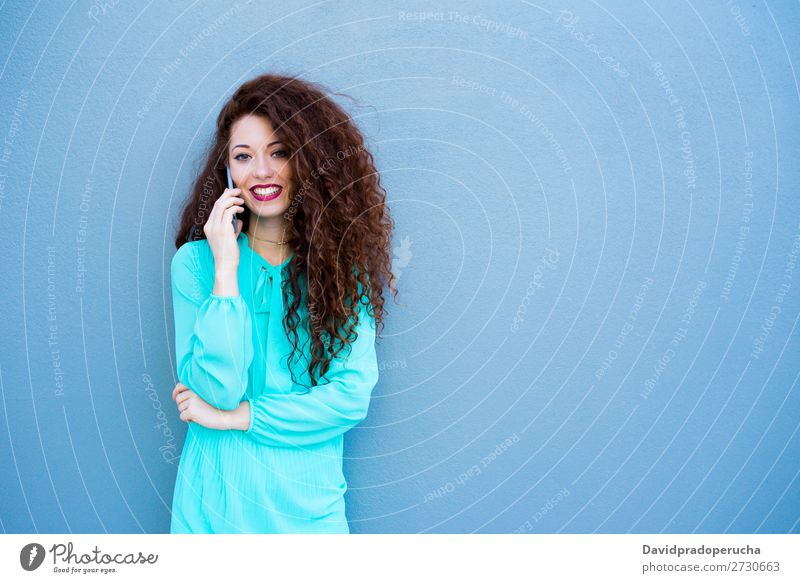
(597, 242)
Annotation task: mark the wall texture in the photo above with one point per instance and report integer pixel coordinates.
(597, 244)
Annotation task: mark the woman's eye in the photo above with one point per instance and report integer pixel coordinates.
(279, 153)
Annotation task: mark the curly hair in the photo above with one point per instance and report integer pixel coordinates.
(338, 218)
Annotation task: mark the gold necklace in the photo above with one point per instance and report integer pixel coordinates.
(267, 240)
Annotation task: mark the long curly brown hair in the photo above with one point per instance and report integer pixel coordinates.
(338, 219)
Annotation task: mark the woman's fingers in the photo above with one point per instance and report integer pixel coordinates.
(218, 230)
(212, 216)
(230, 211)
(178, 388)
(230, 197)
(183, 405)
(229, 208)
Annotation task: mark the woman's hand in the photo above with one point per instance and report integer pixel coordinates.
(219, 230)
(194, 408)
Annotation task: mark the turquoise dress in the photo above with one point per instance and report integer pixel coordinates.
(284, 473)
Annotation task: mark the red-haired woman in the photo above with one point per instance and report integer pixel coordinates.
(276, 318)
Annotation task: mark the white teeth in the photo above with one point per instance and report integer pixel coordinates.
(266, 191)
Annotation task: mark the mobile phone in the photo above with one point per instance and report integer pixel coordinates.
(230, 185)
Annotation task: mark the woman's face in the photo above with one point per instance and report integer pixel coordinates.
(260, 166)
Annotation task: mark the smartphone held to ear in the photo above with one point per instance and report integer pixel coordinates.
(230, 185)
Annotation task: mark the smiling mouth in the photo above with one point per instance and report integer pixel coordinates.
(266, 192)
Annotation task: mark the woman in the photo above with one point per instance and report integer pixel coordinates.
(276, 319)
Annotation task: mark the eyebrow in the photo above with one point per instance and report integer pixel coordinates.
(246, 146)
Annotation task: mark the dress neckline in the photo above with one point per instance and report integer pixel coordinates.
(246, 243)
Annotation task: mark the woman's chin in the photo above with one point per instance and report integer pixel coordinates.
(267, 210)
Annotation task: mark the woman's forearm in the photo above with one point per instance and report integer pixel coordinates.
(240, 417)
(226, 282)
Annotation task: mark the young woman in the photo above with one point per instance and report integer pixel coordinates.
(276, 319)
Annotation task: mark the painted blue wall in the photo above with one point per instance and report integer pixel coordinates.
(597, 244)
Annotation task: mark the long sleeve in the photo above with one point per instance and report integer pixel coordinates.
(213, 334)
(326, 410)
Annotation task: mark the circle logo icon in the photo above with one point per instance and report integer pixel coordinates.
(31, 556)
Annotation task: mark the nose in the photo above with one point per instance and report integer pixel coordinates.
(262, 167)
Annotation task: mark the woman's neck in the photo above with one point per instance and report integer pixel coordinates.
(264, 238)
